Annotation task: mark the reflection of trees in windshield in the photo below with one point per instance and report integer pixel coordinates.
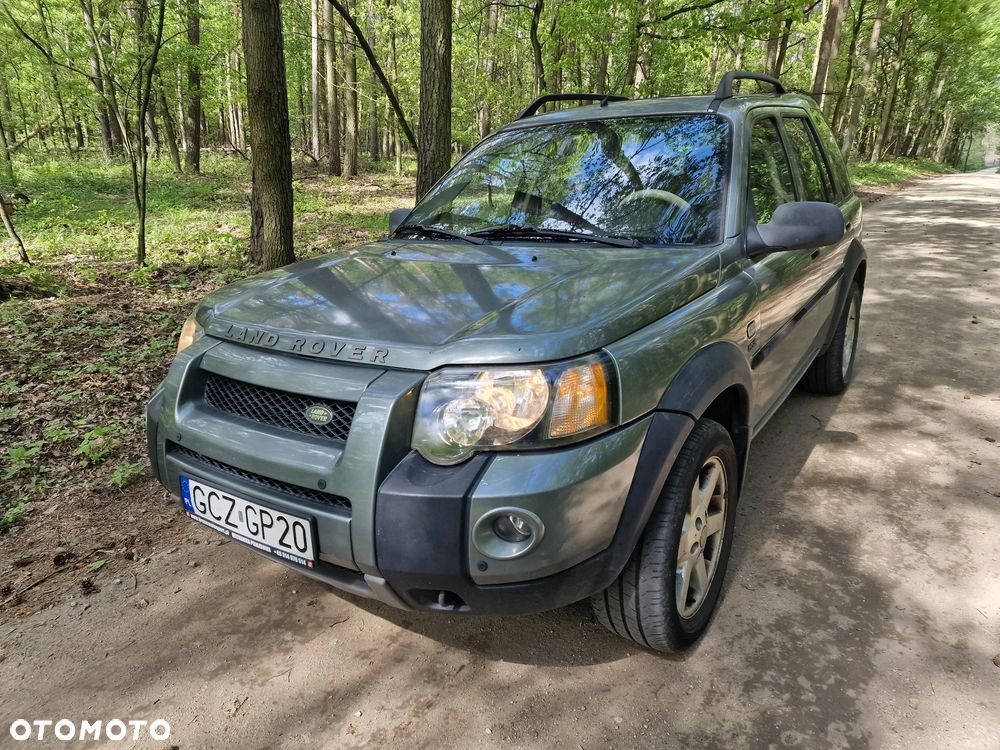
(657, 179)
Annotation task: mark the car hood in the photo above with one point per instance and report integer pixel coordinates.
(420, 305)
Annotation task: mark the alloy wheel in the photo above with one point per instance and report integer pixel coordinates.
(850, 336)
(701, 537)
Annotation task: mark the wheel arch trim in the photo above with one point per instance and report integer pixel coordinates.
(711, 372)
(856, 260)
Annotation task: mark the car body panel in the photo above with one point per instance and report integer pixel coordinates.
(421, 305)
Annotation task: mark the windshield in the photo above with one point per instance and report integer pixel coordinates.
(659, 180)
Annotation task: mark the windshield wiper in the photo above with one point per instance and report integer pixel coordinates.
(516, 230)
(436, 232)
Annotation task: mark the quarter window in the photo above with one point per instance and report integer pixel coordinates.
(812, 168)
(770, 177)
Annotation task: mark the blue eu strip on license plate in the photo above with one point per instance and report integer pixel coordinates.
(267, 530)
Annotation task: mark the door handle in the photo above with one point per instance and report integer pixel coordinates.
(848, 226)
(814, 255)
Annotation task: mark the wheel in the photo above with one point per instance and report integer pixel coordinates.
(665, 596)
(831, 371)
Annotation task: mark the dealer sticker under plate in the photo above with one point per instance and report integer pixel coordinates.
(265, 529)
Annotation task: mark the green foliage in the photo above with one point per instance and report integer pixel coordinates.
(893, 171)
(21, 456)
(126, 473)
(97, 444)
(13, 515)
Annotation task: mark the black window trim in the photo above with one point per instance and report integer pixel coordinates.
(831, 189)
(774, 114)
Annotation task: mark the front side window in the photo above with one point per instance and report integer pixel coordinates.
(658, 180)
(770, 177)
(812, 169)
(841, 178)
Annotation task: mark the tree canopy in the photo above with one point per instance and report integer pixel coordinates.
(911, 78)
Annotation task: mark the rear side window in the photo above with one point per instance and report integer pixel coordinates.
(812, 168)
(769, 179)
(841, 179)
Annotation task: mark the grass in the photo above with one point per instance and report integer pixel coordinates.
(868, 174)
(81, 212)
(85, 336)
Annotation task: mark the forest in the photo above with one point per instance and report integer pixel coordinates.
(153, 150)
(376, 87)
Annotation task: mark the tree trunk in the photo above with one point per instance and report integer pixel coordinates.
(894, 143)
(376, 68)
(434, 132)
(138, 151)
(314, 91)
(271, 149)
(483, 117)
(97, 78)
(861, 83)
(351, 106)
(779, 60)
(942, 143)
(332, 95)
(843, 93)
(397, 142)
(239, 110)
(889, 100)
(53, 78)
(826, 47)
(927, 110)
(192, 116)
(373, 142)
(22, 254)
(536, 48)
(8, 165)
(602, 71)
(154, 130)
(169, 131)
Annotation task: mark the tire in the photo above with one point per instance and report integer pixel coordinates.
(831, 372)
(642, 604)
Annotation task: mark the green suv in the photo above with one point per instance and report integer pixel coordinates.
(543, 384)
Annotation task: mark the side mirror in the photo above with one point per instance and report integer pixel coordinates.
(396, 217)
(797, 226)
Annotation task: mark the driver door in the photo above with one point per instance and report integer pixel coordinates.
(782, 278)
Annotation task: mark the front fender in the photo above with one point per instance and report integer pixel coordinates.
(704, 376)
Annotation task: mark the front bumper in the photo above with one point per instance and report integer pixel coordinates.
(407, 539)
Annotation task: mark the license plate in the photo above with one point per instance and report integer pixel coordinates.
(265, 529)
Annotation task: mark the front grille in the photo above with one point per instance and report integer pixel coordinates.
(277, 408)
(292, 490)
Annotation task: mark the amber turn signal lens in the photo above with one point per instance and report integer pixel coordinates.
(190, 333)
(581, 400)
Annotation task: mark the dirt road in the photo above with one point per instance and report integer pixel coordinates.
(863, 606)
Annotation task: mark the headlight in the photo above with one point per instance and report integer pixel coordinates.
(190, 333)
(463, 410)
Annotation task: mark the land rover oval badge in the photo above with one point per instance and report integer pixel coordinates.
(318, 414)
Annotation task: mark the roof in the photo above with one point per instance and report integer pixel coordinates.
(733, 106)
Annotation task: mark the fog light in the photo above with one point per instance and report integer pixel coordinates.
(512, 528)
(507, 533)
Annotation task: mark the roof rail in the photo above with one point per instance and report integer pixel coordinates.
(725, 90)
(545, 99)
